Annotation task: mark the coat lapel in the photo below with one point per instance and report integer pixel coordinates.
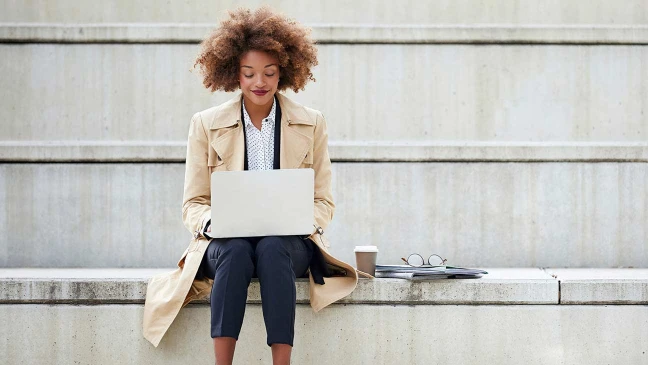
(229, 141)
(296, 134)
(295, 125)
(230, 147)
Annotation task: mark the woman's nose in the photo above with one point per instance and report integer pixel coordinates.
(260, 81)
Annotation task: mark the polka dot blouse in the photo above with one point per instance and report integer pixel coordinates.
(260, 143)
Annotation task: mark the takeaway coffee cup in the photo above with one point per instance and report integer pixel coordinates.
(366, 258)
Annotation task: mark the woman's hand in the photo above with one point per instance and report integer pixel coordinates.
(207, 230)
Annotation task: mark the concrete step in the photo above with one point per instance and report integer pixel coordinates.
(602, 286)
(77, 320)
(115, 286)
(335, 11)
(475, 214)
(512, 93)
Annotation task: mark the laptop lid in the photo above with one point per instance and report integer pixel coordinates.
(262, 203)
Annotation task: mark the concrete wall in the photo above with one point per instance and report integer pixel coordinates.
(400, 92)
(335, 11)
(497, 89)
(483, 214)
(578, 99)
(358, 334)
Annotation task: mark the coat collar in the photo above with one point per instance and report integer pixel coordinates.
(230, 145)
(230, 113)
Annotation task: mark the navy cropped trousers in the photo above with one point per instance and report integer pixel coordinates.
(276, 261)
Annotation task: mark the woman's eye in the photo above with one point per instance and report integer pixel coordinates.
(250, 76)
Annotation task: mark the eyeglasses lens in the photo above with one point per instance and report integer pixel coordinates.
(435, 260)
(415, 260)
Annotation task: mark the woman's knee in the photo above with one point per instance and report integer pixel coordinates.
(235, 248)
(221, 251)
(271, 247)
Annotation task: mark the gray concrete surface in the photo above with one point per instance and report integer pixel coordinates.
(349, 151)
(475, 214)
(104, 286)
(524, 93)
(334, 11)
(602, 286)
(335, 33)
(340, 334)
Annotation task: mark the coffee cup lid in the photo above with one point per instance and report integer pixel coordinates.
(366, 249)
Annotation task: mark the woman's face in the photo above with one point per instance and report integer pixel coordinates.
(259, 77)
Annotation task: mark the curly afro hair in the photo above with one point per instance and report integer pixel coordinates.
(261, 30)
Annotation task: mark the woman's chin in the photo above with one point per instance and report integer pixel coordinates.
(259, 100)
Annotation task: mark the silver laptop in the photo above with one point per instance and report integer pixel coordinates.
(262, 203)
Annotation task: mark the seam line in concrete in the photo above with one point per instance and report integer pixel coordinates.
(172, 33)
(340, 151)
(90, 303)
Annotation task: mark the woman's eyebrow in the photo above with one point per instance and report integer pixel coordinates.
(272, 64)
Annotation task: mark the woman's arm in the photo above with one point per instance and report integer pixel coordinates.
(196, 206)
(324, 206)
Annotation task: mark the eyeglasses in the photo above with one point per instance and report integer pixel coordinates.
(416, 260)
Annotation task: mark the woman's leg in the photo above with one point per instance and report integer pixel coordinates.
(230, 263)
(278, 261)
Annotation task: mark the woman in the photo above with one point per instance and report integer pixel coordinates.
(260, 53)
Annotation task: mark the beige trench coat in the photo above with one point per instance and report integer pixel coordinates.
(216, 143)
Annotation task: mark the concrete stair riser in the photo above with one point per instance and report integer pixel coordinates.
(353, 334)
(483, 214)
(401, 92)
(335, 11)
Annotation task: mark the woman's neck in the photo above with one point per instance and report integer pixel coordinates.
(257, 112)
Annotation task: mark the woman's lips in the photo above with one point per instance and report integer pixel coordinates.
(260, 92)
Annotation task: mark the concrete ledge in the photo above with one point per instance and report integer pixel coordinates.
(47, 330)
(500, 286)
(118, 286)
(335, 33)
(602, 286)
(340, 151)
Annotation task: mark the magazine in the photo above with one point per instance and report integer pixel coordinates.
(427, 272)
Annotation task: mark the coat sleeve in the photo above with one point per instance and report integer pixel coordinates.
(324, 206)
(196, 205)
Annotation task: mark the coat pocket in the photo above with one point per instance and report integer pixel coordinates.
(307, 162)
(308, 159)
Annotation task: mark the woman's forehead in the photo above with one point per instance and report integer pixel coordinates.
(258, 59)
